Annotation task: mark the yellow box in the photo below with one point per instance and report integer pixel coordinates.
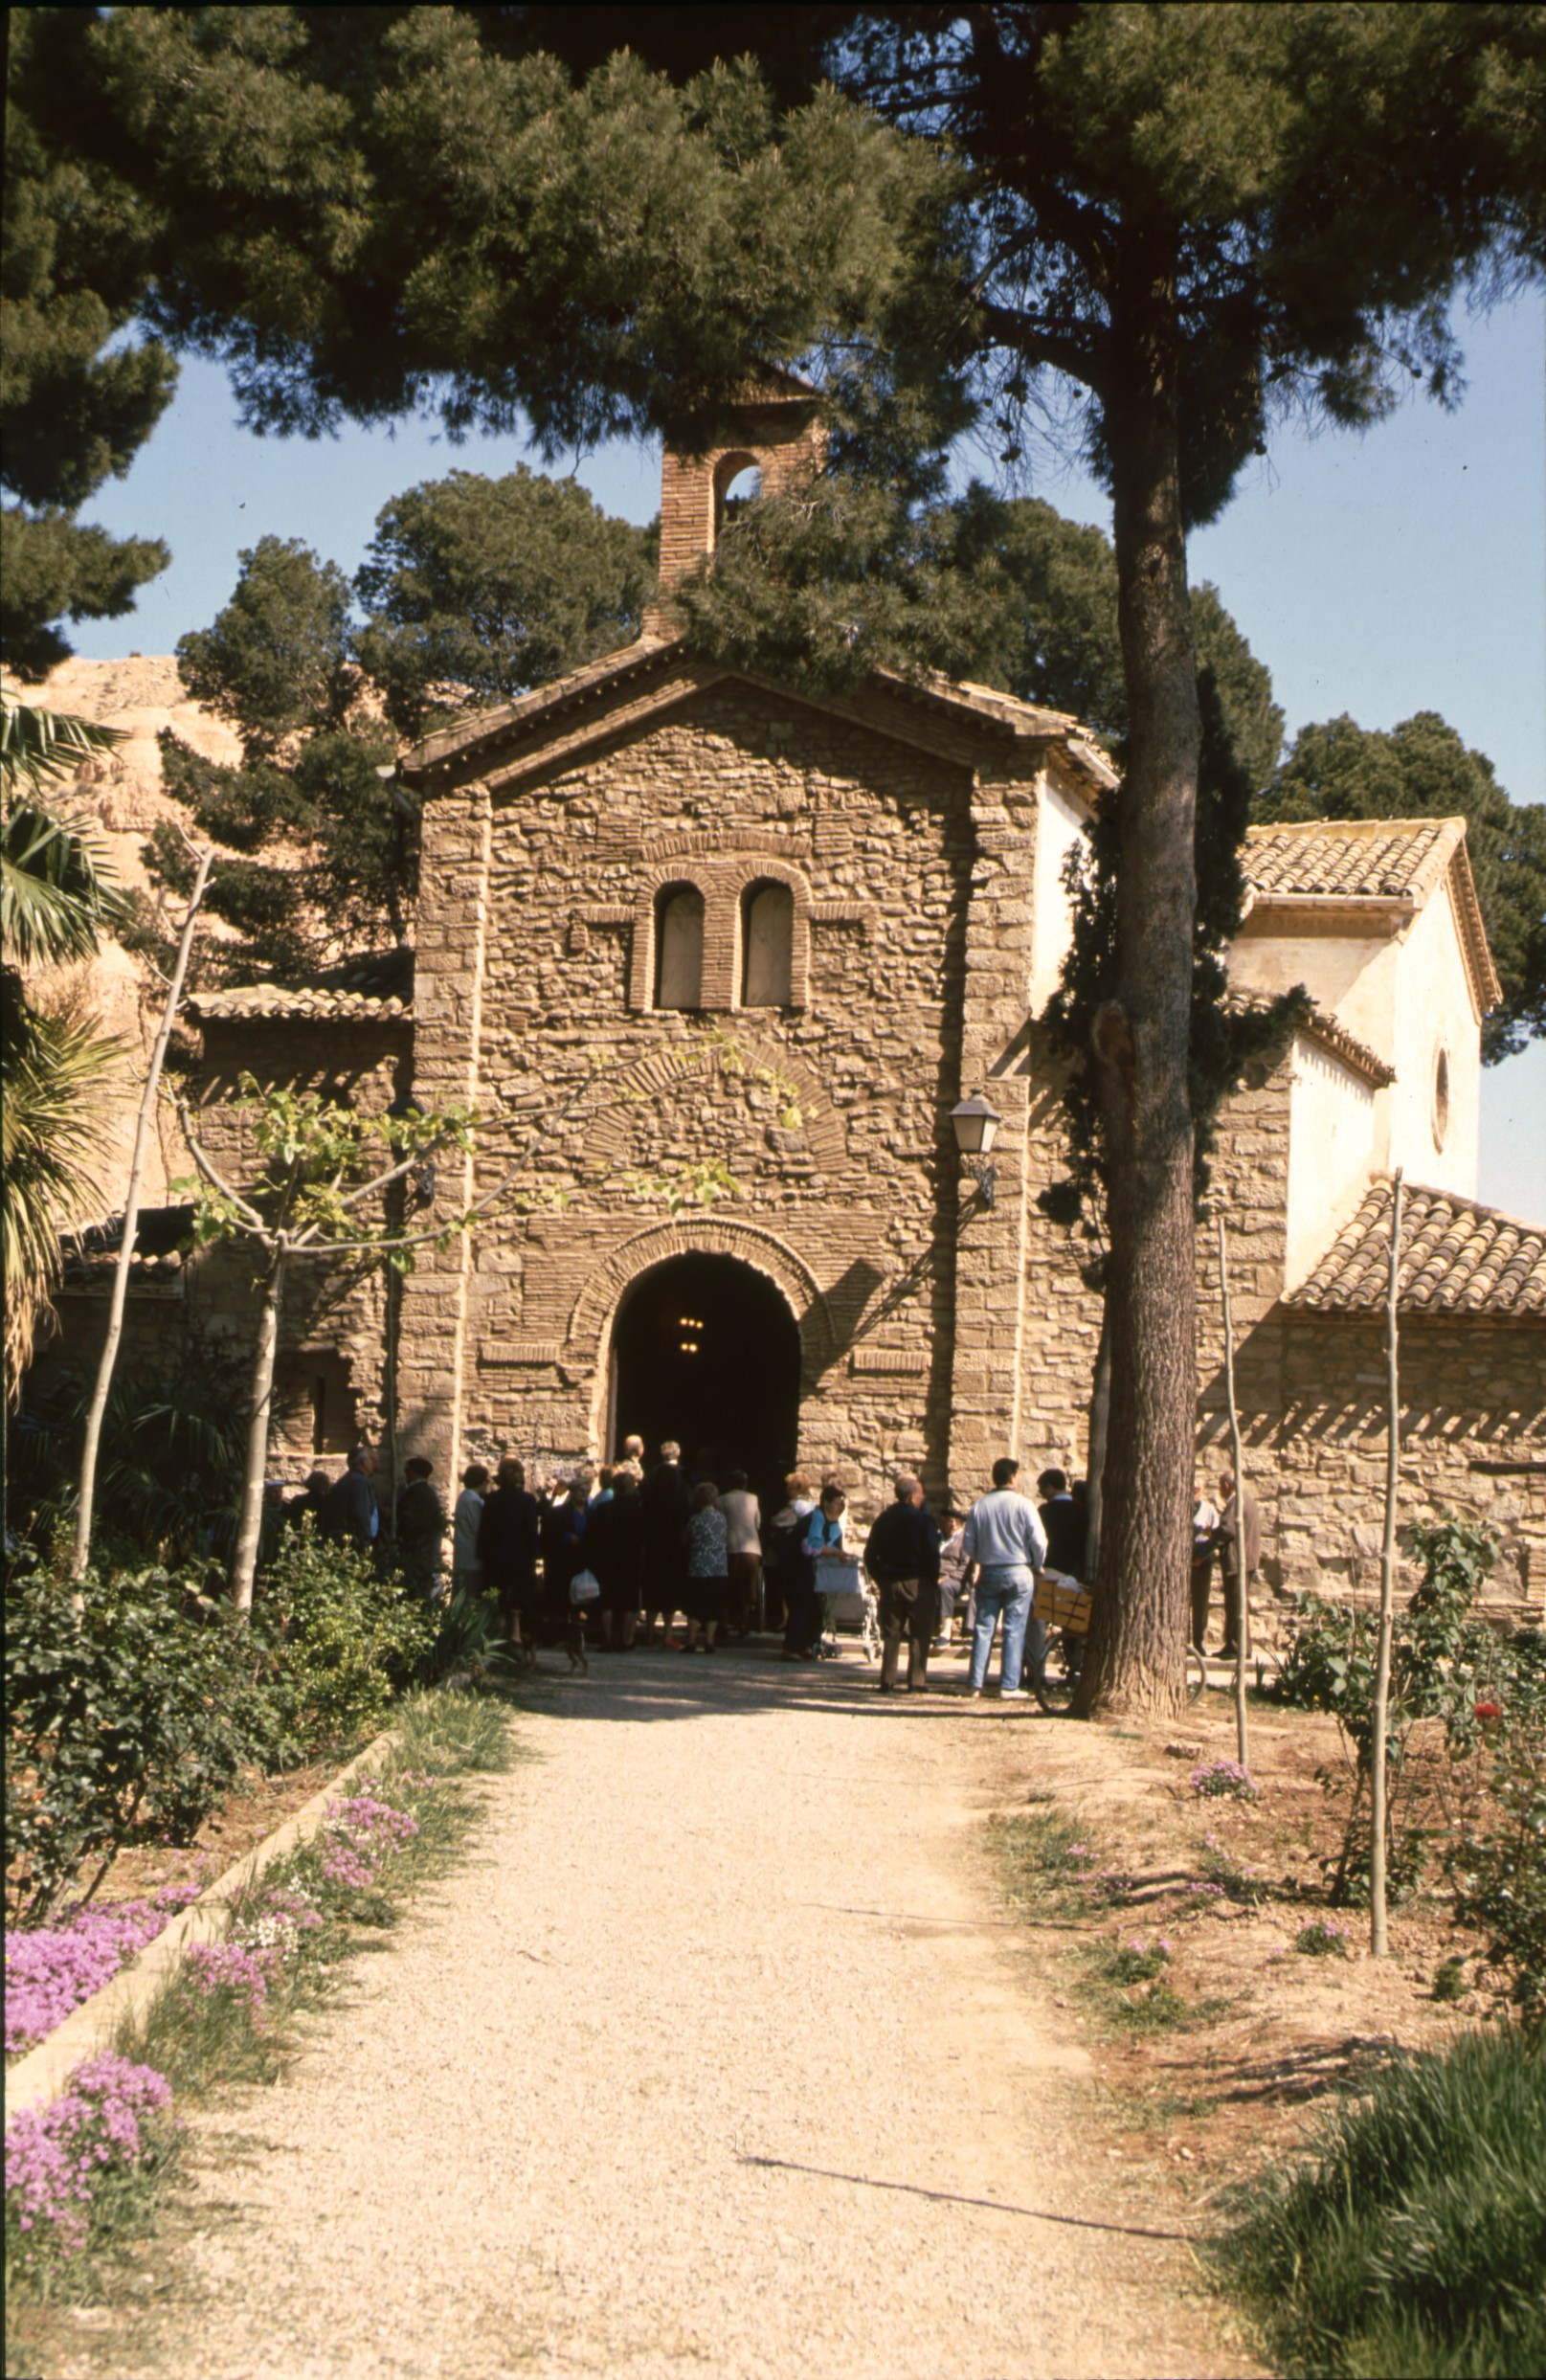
(1068, 1608)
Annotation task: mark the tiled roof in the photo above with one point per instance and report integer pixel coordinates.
(1375, 860)
(1457, 1258)
(1334, 1035)
(659, 659)
(378, 984)
(278, 1001)
(1362, 859)
(89, 1257)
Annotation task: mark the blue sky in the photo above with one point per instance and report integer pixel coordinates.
(1398, 572)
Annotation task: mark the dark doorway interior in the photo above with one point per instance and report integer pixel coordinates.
(706, 1351)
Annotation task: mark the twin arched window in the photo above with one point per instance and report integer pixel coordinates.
(766, 957)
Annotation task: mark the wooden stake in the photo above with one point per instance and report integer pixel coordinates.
(1381, 1728)
(1242, 1733)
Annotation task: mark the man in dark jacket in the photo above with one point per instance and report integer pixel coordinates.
(1066, 1524)
(507, 1540)
(420, 1531)
(350, 1512)
(901, 1556)
(666, 1497)
(615, 1551)
(309, 1500)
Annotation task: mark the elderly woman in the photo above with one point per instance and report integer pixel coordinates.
(707, 1568)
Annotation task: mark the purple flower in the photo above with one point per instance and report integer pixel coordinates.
(360, 1835)
(1214, 1779)
(56, 2154)
(209, 1967)
(50, 1969)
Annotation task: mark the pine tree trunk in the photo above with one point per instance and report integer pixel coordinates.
(1138, 1636)
(250, 1517)
(1242, 1614)
(1100, 1423)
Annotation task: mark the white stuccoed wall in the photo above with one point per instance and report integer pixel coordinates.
(1333, 1117)
(1060, 825)
(1432, 1010)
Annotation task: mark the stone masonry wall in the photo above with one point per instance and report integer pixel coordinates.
(830, 1115)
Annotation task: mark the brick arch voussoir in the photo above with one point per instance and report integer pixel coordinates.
(595, 1309)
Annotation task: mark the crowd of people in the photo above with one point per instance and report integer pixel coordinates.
(629, 1554)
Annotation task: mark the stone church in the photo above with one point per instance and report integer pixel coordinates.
(714, 960)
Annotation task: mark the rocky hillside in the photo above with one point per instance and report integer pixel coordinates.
(122, 791)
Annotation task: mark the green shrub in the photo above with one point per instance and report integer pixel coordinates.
(1414, 2241)
(1500, 1878)
(1445, 1662)
(134, 1718)
(168, 1471)
(338, 1643)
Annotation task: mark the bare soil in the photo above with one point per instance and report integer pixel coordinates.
(1270, 2030)
(246, 1817)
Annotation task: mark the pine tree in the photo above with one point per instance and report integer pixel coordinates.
(76, 402)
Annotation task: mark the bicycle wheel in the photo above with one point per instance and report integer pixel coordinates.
(1055, 1680)
(1196, 1674)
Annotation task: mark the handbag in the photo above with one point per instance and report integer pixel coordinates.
(584, 1587)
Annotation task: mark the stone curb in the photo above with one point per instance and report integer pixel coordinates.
(93, 2026)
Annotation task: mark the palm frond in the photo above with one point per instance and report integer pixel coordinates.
(56, 1137)
(38, 748)
(59, 890)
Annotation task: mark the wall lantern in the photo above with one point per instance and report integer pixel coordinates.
(976, 1126)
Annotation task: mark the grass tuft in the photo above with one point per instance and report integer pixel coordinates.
(1414, 2241)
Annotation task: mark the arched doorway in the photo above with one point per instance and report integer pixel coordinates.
(705, 1350)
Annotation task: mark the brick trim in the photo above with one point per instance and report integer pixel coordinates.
(722, 878)
(594, 1310)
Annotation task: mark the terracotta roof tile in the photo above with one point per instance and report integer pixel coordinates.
(284, 1003)
(1457, 1258)
(1358, 858)
(1334, 1035)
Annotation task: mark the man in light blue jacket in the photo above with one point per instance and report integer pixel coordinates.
(1007, 1543)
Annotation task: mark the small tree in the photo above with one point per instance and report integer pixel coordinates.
(107, 1361)
(1378, 1782)
(314, 1208)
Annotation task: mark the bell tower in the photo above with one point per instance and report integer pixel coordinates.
(775, 430)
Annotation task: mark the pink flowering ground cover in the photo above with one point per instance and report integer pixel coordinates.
(100, 2135)
(50, 1969)
(58, 2157)
(359, 1836)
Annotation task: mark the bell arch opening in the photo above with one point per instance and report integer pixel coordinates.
(705, 1350)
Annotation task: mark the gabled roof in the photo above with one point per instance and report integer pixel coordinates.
(1396, 863)
(516, 739)
(1457, 1259)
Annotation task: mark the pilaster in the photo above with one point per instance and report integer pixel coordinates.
(448, 997)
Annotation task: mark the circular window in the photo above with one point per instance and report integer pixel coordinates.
(1441, 1099)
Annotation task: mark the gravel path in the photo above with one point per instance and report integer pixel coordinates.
(713, 2057)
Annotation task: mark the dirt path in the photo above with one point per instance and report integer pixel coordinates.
(715, 2058)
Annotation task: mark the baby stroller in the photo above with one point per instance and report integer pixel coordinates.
(850, 1603)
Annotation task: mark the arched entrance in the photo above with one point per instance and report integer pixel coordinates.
(705, 1350)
